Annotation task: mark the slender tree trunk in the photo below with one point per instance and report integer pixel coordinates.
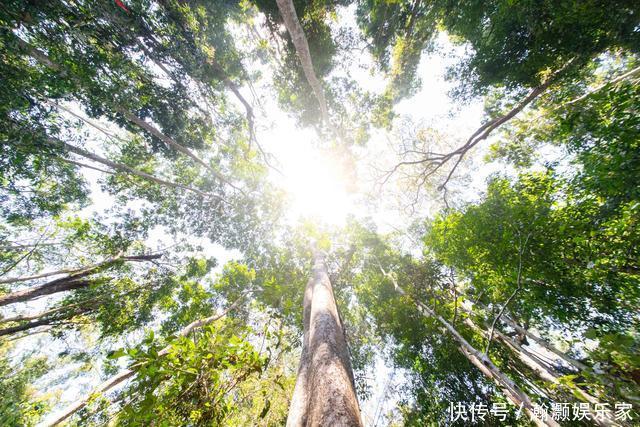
(70, 282)
(42, 320)
(81, 306)
(543, 371)
(486, 366)
(540, 341)
(544, 344)
(127, 169)
(324, 393)
(40, 275)
(172, 143)
(232, 86)
(482, 362)
(37, 316)
(291, 22)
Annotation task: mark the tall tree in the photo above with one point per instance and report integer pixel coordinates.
(325, 388)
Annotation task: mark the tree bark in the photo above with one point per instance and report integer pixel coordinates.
(324, 393)
(291, 22)
(70, 282)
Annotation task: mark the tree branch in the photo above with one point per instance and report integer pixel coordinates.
(292, 24)
(128, 373)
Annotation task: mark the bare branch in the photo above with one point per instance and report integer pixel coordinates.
(434, 161)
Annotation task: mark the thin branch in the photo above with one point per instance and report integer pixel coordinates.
(513, 294)
(44, 59)
(128, 169)
(23, 257)
(128, 373)
(88, 121)
(84, 165)
(617, 80)
(434, 161)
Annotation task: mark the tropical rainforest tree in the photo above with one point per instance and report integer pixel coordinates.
(150, 269)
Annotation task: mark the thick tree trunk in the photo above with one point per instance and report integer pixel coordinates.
(70, 282)
(53, 287)
(324, 393)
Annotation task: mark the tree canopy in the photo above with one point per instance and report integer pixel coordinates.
(456, 182)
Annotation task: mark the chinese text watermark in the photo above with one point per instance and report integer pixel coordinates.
(478, 411)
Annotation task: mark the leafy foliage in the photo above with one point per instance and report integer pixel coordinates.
(193, 382)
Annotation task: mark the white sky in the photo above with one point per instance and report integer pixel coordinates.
(316, 185)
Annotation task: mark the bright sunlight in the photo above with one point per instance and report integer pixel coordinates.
(318, 186)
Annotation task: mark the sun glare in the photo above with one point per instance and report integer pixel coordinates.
(317, 185)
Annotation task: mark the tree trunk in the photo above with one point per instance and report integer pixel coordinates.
(324, 393)
(291, 22)
(77, 270)
(543, 343)
(543, 371)
(53, 287)
(42, 321)
(69, 282)
(482, 362)
(486, 366)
